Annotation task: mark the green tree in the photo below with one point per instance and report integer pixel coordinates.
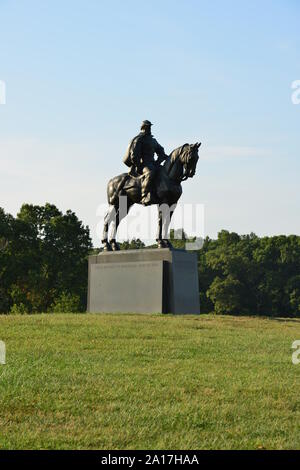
(45, 257)
(66, 303)
(134, 244)
(6, 265)
(226, 295)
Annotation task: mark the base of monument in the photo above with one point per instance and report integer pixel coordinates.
(144, 281)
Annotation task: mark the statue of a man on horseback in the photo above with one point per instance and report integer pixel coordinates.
(148, 182)
(140, 158)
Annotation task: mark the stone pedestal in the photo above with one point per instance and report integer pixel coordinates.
(144, 281)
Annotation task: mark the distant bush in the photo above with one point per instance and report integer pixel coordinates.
(66, 303)
(134, 244)
(225, 295)
(18, 309)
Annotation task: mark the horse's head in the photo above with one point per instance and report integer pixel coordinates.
(188, 157)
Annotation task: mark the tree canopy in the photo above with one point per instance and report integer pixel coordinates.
(43, 255)
(245, 274)
(43, 266)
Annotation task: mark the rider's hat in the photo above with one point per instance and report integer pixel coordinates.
(146, 123)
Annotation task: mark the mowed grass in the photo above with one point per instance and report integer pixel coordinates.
(149, 382)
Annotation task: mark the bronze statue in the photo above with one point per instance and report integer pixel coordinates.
(140, 158)
(148, 182)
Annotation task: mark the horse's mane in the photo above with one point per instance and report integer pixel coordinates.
(177, 152)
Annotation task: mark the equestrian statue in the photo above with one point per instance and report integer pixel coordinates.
(149, 181)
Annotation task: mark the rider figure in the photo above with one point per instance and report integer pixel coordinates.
(140, 157)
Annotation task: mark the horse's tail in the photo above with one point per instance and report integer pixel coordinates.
(115, 187)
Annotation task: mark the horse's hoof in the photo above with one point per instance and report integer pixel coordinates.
(114, 245)
(164, 244)
(106, 246)
(167, 244)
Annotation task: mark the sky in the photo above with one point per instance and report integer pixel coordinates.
(80, 77)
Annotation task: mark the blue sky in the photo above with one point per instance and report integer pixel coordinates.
(81, 75)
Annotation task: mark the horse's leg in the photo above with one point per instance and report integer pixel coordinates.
(120, 214)
(159, 228)
(109, 216)
(166, 240)
(113, 243)
(105, 228)
(165, 213)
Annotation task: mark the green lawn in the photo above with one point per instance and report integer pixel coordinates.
(149, 382)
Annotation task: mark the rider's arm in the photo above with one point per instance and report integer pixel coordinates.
(160, 152)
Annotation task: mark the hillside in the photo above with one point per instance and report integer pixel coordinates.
(149, 381)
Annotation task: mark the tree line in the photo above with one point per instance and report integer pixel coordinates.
(43, 260)
(44, 253)
(248, 275)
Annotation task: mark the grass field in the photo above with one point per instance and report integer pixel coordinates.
(149, 382)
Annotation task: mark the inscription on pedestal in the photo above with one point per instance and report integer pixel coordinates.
(126, 287)
(144, 281)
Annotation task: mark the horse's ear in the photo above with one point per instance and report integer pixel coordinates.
(198, 144)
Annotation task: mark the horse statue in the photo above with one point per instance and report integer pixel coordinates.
(179, 166)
